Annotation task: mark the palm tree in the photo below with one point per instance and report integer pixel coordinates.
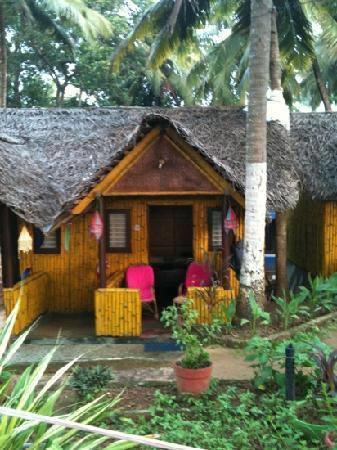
(168, 22)
(43, 14)
(171, 22)
(252, 269)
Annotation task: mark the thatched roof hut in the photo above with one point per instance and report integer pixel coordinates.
(314, 141)
(50, 158)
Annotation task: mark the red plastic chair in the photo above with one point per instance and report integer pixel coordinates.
(197, 275)
(142, 278)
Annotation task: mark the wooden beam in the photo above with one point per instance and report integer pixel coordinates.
(9, 247)
(226, 243)
(102, 246)
(281, 254)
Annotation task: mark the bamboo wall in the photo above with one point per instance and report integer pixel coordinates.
(33, 294)
(330, 238)
(312, 236)
(73, 273)
(305, 235)
(118, 312)
(208, 302)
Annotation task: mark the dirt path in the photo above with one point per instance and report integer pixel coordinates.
(131, 363)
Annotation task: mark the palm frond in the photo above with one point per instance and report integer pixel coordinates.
(91, 22)
(35, 15)
(171, 22)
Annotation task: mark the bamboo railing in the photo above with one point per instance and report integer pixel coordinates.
(208, 301)
(118, 312)
(33, 300)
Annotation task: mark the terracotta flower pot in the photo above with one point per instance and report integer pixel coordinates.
(192, 381)
(330, 440)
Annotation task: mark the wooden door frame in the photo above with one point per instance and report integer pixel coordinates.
(169, 203)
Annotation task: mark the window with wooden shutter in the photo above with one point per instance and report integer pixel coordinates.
(47, 243)
(118, 231)
(215, 229)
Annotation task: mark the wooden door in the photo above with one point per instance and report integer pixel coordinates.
(170, 233)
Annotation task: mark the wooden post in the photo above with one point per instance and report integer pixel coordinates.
(9, 247)
(102, 246)
(225, 247)
(281, 254)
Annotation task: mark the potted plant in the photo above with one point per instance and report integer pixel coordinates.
(193, 371)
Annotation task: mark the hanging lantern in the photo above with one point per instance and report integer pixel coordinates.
(231, 221)
(25, 242)
(96, 225)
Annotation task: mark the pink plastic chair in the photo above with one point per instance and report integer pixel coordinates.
(197, 275)
(142, 278)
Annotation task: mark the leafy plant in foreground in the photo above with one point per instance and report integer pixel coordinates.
(258, 315)
(320, 294)
(224, 418)
(90, 381)
(182, 322)
(268, 360)
(290, 309)
(26, 395)
(326, 365)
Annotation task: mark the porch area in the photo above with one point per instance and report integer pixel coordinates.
(117, 312)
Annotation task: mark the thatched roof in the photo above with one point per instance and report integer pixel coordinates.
(314, 140)
(50, 158)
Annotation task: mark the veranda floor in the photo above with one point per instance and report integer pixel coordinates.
(77, 326)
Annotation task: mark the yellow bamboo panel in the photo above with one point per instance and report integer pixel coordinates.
(329, 236)
(311, 228)
(207, 304)
(33, 293)
(118, 312)
(72, 274)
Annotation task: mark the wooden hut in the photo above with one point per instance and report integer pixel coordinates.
(312, 225)
(162, 180)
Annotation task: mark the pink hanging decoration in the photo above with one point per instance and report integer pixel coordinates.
(231, 221)
(96, 225)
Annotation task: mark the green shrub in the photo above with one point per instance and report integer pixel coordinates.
(268, 360)
(89, 382)
(182, 322)
(258, 315)
(26, 394)
(224, 419)
(290, 309)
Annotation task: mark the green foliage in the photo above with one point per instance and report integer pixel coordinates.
(27, 393)
(182, 321)
(228, 310)
(326, 364)
(89, 382)
(224, 418)
(268, 359)
(321, 294)
(323, 411)
(258, 315)
(290, 309)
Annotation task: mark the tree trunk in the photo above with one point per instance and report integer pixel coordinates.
(252, 270)
(281, 254)
(320, 84)
(275, 59)
(3, 58)
(281, 219)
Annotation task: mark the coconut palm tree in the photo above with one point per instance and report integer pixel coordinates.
(43, 14)
(167, 23)
(252, 269)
